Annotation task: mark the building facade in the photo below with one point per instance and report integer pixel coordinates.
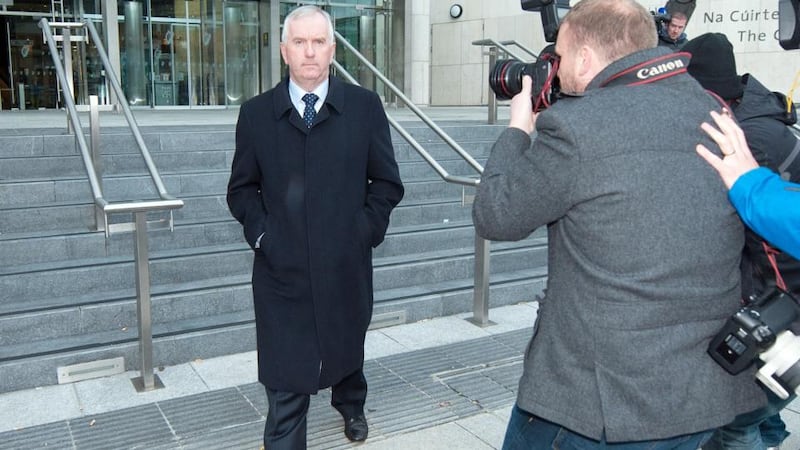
(176, 53)
(218, 53)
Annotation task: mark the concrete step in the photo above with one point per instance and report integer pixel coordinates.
(36, 193)
(18, 249)
(116, 312)
(40, 248)
(79, 215)
(52, 142)
(187, 341)
(45, 168)
(27, 285)
(461, 132)
(49, 167)
(32, 364)
(441, 151)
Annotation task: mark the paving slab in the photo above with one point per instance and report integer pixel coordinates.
(106, 394)
(444, 437)
(26, 408)
(227, 371)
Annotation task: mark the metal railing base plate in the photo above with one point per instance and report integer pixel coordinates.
(139, 385)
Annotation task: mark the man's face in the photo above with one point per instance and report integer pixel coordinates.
(675, 27)
(569, 64)
(308, 51)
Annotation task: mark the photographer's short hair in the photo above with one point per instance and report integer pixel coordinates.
(613, 28)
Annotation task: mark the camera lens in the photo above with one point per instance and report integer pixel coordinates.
(505, 79)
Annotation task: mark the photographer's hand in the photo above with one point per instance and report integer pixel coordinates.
(736, 157)
(522, 115)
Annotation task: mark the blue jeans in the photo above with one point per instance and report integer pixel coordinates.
(755, 430)
(528, 432)
(773, 430)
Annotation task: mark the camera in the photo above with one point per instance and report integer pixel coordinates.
(505, 78)
(663, 15)
(661, 18)
(760, 331)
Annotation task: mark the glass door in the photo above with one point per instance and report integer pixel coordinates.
(27, 75)
(241, 51)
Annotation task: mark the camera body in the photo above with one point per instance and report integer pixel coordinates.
(505, 78)
(760, 330)
(550, 11)
(661, 18)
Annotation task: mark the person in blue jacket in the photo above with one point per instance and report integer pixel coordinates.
(768, 205)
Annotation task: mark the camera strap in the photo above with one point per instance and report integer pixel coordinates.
(542, 100)
(771, 252)
(650, 71)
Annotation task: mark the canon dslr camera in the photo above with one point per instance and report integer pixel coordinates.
(760, 330)
(505, 78)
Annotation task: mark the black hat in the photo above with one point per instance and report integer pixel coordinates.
(714, 65)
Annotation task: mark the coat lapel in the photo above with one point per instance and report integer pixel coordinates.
(334, 104)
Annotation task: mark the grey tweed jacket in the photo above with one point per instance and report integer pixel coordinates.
(643, 263)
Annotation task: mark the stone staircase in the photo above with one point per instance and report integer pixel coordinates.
(67, 294)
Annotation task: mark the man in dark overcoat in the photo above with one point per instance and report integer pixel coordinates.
(313, 181)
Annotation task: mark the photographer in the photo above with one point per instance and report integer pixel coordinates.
(764, 119)
(644, 247)
(671, 33)
(768, 205)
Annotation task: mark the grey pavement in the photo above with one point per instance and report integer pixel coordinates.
(440, 383)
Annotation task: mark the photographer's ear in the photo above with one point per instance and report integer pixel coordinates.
(589, 64)
(585, 60)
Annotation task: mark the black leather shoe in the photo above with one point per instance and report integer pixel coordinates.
(356, 428)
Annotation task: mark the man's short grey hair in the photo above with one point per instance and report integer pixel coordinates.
(305, 11)
(613, 28)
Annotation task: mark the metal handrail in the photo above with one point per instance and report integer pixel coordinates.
(445, 137)
(503, 45)
(168, 202)
(480, 304)
(139, 209)
(123, 103)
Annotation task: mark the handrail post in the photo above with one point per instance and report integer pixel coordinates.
(148, 381)
(97, 160)
(492, 97)
(66, 47)
(480, 299)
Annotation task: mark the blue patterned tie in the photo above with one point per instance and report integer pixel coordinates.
(310, 113)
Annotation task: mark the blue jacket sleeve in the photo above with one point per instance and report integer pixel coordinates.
(770, 206)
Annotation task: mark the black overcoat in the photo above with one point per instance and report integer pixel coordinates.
(322, 198)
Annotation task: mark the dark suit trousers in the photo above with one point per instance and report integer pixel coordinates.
(285, 428)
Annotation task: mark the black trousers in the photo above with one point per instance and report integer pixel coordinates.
(285, 428)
